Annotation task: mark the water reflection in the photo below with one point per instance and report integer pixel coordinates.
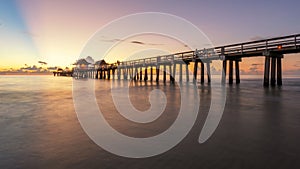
(39, 128)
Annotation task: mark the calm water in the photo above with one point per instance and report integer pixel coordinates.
(260, 127)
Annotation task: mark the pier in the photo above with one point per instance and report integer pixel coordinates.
(148, 69)
(61, 72)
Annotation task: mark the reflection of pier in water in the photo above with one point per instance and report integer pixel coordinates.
(146, 69)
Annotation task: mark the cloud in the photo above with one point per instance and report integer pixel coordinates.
(256, 64)
(111, 40)
(143, 43)
(29, 69)
(41, 62)
(254, 68)
(52, 68)
(34, 67)
(138, 42)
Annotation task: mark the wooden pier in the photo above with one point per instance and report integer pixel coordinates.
(63, 73)
(272, 49)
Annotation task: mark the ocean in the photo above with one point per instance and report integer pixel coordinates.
(39, 127)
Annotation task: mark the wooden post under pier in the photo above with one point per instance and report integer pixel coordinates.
(275, 59)
(151, 74)
(237, 72)
(97, 72)
(279, 71)
(174, 73)
(146, 74)
(267, 71)
(132, 73)
(157, 73)
(126, 73)
(195, 71)
(141, 73)
(208, 71)
(180, 72)
(164, 73)
(230, 71)
(119, 73)
(187, 73)
(170, 72)
(136, 75)
(202, 72)
(273, 71)
(113, 73)
(224, 71)
(101, 74)
(108, 73)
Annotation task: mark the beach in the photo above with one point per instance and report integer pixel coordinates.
(40, 129)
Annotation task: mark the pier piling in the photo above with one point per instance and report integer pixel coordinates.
(151, 74)
(279, 71)
(273, 71)
(146, 74)
(195, 71)
(267, 71)
(180, 72)
(237, 72)
(208, 71)
(224, 72)
(202, 72)
(230, 71)
(157, 73)
(187, 73)
(164, 73)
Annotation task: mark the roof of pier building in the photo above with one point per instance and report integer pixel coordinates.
(81, 63)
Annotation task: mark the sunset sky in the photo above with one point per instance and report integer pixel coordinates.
(55, 31)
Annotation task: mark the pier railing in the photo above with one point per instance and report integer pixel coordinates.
(172, 58)
(285, 44)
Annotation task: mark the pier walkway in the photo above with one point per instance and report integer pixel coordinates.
(273, 49)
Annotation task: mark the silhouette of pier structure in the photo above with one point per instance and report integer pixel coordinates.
(273, 49)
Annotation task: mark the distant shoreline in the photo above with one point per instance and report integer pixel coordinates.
(17, 73)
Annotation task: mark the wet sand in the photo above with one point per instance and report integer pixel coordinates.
(39, 127)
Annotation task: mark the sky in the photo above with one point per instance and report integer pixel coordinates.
(56, 31)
